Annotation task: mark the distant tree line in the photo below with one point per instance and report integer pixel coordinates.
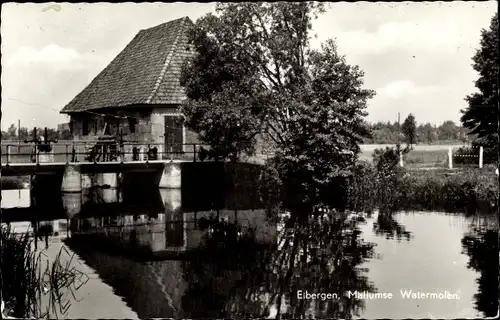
(27, 134)
(382, 133)
(412, 133)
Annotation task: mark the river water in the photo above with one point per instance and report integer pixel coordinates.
(169, 255)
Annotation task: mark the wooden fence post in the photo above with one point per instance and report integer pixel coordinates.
(450, 158)
(481, 157)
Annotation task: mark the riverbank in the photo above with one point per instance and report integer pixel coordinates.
(467, 190)
(10, 183)
(470, 189)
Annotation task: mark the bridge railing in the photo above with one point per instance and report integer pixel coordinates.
(99, 151)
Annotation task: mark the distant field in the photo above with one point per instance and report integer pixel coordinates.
(418, 147)
(421, 156)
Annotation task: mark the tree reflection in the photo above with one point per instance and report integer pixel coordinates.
(233, 277)
(482, 248)
(387, 226)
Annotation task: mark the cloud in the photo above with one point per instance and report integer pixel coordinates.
(50, 53)
(55, 57)
(401, 88)
(445, 38)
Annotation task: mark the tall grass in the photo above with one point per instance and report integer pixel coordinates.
(467, 190)
(32, 285)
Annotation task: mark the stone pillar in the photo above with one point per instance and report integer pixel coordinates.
(401, 158)
(450, 158)
(171, 176)
(72, 179)
(72, 203)
(171, 199)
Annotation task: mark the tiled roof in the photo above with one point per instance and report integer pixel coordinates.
(147, 71)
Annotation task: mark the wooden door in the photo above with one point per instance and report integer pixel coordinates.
(174, 137)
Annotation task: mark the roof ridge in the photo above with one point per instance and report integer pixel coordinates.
(168, 22)
(168, 59)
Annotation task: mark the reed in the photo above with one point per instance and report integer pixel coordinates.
(33, 286)
(467, 190)
(384, 185)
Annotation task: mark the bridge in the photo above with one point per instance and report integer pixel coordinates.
(108, 159)
(101, 151)
(25, 169)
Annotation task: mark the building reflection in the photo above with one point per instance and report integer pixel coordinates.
(153, 223)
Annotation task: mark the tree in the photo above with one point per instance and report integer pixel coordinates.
(256, 74)
(425, 133)
(23, 133)
(64, 134)
(12, 132)
(409, 129)
(448, 131)
(40, 132)
(481, 116)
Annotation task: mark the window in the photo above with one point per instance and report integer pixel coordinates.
(85, 127)
(131, 124)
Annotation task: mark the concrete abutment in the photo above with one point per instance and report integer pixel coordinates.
(171, 176)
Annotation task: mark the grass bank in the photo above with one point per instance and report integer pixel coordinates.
(467, 190)
(470, 190)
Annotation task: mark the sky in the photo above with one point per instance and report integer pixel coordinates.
(415, 55)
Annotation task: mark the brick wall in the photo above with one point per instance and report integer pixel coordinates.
(149, 127)
(158, 127)
(142, 132)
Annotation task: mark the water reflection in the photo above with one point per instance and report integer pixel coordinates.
(72, 203)
(228, 259)
(386, 225)
(481, 245)
(221, 262)
(232, 277)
